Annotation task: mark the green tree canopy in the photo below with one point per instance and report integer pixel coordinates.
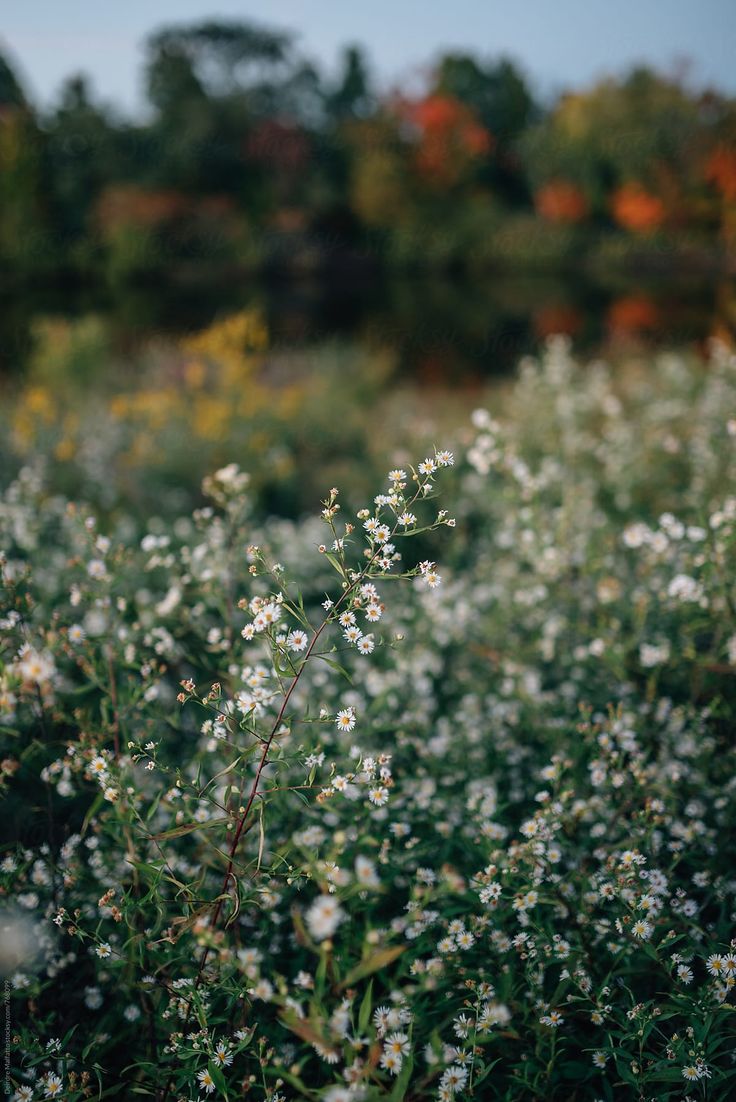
(11, 92)
(496, 91)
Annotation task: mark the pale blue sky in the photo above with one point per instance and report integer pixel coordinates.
(559, 43)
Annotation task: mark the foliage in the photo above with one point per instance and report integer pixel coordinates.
(253, 158)
(186, 406)
(293, 813)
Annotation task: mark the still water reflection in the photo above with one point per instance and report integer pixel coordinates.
(439, 329)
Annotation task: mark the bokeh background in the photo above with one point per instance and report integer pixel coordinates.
(266, 236)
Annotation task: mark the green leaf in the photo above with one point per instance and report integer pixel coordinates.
(402, 1081)
(366, 1006)
(218, 1077)
(294, 1080)
(380, 959)
(320, 973)
(486, 1072)
(334, 562)
(335, 666)
(188, 828)
(92, 811)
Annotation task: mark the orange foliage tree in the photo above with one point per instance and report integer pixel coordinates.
(450, 138)
(632, 314)
(561, 201)
(128, 205)
(637, 209)
(720, 170)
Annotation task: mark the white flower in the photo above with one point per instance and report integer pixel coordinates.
(297, 640)
(390, 1062)
(397, 1043)
(96, 569)
(206, 1082)
(324, 916)
(262, 990)
(223, 1057)
(52, 1085)
(365, 872)
(454, 1078)
(345, 719)
(684, 588)
(35, 667)
(731, 650)
(552, 1020)
(690, 1073)
(651, 654)
(270, 613)
(232, 478)
(637, 534)
(715, 965)
(98, 766)
(92, 998)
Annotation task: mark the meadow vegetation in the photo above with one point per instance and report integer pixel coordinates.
(426, 795)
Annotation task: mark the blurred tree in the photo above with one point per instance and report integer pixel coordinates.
(172, 84)
(337, 144)
(25, 244)
(11, 93)
(636, 209)
(232, 62)
(450, 140)
(721, 171)
(250, 154)
(497, 93)
(561, 201)
(719, 168)
(195, 137)
(214, 86)
(500, 98)
(87, 147)
(352, 97)
(224, 57)
(379, 187)
(639, 130)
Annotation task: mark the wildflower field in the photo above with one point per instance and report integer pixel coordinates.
(426, 795)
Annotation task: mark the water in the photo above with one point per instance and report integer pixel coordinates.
(440, 329)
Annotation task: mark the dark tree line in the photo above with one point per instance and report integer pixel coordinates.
(249, 156)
